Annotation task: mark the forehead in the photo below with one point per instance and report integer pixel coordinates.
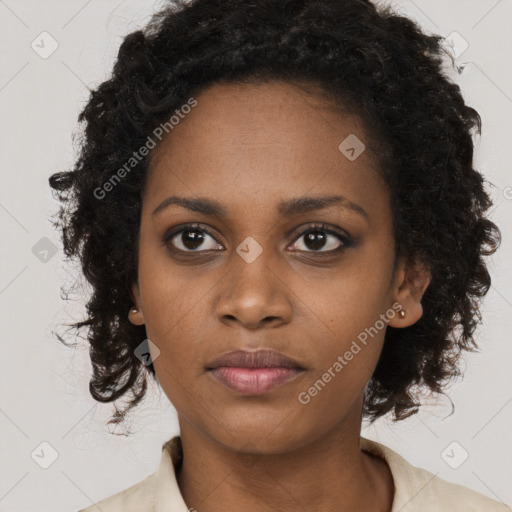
(259, 143)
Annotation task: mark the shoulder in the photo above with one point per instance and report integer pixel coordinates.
(137, 498)
(158, 491)
(419, 490)
(440, 495)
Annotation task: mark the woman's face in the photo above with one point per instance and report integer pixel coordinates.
(257, 281)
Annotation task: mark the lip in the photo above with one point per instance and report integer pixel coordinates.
(254, 359)
(254, 381)
(255, 372)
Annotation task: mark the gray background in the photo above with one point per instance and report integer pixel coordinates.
(44, 394)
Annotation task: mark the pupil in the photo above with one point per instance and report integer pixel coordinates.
(192, 241)
(315, 240)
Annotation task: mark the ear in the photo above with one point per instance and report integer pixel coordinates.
(411, 280)
(136, 318)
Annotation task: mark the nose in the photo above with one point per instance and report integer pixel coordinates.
(253, 295)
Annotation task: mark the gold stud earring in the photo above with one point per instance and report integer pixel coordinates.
(401, 313)
(134, 310)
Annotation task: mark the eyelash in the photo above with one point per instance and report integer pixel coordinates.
(346, 241)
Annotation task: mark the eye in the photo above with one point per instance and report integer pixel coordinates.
(320, 236)
(197, 238)
(191, 238)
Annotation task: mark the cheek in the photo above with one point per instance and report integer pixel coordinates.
(344, 363)
(174, 322)
(169, 299)
(174, 326)
(348, 300)
(348, 324)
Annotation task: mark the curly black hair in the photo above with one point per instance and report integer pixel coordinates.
(366, 59)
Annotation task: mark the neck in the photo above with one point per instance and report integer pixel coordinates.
(330, 473)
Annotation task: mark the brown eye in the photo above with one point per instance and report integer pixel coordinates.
(321, 237)
(191, 238)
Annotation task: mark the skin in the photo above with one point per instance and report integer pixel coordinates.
(249, 146)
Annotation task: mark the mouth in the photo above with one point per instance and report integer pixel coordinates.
(254, 373)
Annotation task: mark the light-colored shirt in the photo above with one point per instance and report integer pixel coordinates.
(416, 490)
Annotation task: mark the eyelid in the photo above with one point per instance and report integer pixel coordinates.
(322, 226)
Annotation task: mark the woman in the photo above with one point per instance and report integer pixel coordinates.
(276, 207)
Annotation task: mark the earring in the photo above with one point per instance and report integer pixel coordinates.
(134, 310)
(401, 313)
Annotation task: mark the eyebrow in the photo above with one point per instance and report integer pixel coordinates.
(285, 208)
